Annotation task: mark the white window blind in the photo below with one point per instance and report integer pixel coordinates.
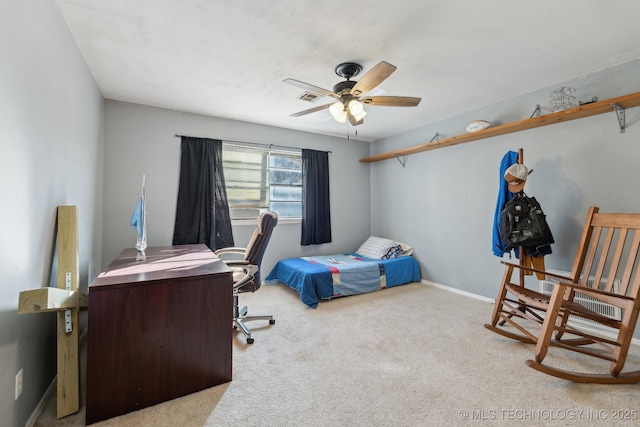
(259, 179)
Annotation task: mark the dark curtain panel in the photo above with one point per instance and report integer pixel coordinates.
(202, 211)
(316, 212)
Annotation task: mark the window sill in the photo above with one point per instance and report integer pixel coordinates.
(254, 221)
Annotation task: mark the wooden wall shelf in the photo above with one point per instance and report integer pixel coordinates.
(586, 110)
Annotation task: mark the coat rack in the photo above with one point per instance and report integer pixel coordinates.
(521, 249)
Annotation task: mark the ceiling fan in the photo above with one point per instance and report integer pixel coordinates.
(350, 94)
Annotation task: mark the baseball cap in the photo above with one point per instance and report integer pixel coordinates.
(516, 176)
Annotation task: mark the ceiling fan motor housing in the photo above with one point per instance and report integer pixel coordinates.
(344, 87)
(346, 70)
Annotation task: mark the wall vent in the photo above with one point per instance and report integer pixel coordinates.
(546, 287)
(309, 96)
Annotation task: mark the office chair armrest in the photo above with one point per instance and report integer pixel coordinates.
(236, 262)
(223, 251)
(226, 255)
(250, 271)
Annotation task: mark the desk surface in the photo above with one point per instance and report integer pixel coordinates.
(163, 262)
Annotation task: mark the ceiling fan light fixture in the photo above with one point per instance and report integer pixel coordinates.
(342, 117)
(355, 107)
(336, 109)
(360, 115)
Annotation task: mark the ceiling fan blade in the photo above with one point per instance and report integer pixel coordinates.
(373, 78)
(311, 88)
(391, 101)
(311, 110)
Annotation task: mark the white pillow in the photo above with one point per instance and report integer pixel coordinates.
(376, 247)
(406, 249)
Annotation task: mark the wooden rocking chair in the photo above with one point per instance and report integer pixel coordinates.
(603, 271)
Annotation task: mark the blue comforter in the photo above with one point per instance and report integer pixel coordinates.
(324, 277)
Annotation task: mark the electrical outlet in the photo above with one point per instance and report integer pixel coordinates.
(18, 384)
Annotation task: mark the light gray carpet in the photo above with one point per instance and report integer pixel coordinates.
(413, 355)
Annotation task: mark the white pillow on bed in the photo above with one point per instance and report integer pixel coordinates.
(406, 249)
(378, 248)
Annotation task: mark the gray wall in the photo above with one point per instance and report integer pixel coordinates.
(57, 135)
(141, 140)
(443, 201)
(51, 127)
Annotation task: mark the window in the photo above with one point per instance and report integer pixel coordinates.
(260, 179)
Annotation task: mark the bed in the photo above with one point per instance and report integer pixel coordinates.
(387, 263)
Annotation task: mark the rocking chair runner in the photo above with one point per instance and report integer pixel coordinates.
(604, 270)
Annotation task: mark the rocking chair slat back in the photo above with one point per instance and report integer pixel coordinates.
(612, 255)
(631, 260)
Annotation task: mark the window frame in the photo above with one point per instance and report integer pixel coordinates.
(266, 190)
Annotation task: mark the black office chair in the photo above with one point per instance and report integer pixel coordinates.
(246, 275)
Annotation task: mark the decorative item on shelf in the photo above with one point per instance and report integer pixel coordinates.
(562, 98)
(477, 125)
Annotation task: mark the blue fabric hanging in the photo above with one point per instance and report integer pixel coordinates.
(504, 195)
(137, 217)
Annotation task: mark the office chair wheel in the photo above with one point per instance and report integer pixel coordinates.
(249, 340)
(272, 321)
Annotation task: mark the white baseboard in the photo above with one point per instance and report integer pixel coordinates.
(51, 390)
(458, 291)
(634, 341)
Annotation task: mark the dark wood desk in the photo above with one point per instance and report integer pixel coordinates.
(157, 329)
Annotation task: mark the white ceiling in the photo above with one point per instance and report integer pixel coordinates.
(227, 58)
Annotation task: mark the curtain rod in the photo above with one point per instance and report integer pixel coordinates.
(249, 143)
